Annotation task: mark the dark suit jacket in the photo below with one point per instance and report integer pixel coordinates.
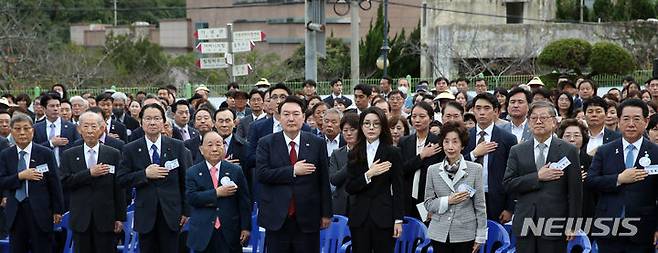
(589, 194)
(135, 135)
(168, 193)
(381, 199)
(109, 141)
(176, 133)
(329, 100)
(258, 130)
(536, 199)
(119, 129)
(193, 146)
(275, 175)
(638, 199)
(45, 195)
(99, 197)
(244, 125)
(130, 122)
(499, 200)
(410, 165)
(68, 131)
(337, 177)
(238, 149)
(234, 212)
(609, 135)
(4, 143)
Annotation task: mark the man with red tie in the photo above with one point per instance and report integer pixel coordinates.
(217, 191)
(295, 199)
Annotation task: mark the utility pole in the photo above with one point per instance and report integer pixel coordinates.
(229, 36)
(582, 6)
(354, 44)
(115, 13)
(315, 26)
(385, 47)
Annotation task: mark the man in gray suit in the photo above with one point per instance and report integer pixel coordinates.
(338, 163)
(544, 187)
(518, 100)
(256, 103)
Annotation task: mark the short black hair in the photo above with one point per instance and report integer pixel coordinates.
(351, 119)
(206, 109)
(234, 85)
(96, 110)
(281, 86)
(633, 102)
(310, 82)
(457, 127)
(436, 81)
(488, 97)
(221, 109)
(5, 112)
(153, 106)
(335, 81)
(501, 90)
(456, 105)
(592, 83)
(171, 87)
(543, 92)
(47, 97)
(363, 88)
(425, 106)
(653, 121)
(528, 95)
(461, 79)
(256, 91)
(564, 83)
(393, 92)
(141, 92)
(595, 101)
(469, 116)
(240, 94)
(23, 97)
(388, 79)
(293, 99)
(105, 96)
(184, 102)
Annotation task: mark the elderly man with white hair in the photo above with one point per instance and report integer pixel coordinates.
(78, 106)
(119, 110)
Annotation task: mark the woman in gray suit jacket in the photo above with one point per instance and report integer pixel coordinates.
(454, 196)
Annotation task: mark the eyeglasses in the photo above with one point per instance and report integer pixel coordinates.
(372, 124)
(280, 97)
(152, 119)
(542, 118)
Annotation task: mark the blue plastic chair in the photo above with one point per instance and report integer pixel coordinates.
(64, 224)
(257, 235)
(512, 238)
(581, 241)
(496, 235)
(332, 238)
(4, 244)
(414, 237)
(129, 236)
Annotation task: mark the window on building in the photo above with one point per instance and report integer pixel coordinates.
(514, 12)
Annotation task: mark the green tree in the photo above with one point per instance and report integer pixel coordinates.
(568, 9)
(136, 58)
(610, 58)
(603, 9)
(566, 54)
(370, 47)
(336, 64)
(626, 10)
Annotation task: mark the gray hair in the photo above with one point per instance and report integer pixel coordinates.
(334, 111)
(98, 117)
(79, 99)
(542, 104)
(120, 95)
(19, 117)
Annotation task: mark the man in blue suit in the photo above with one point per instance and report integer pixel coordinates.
(155, 165)
(217, 191)
(336, 92)
(28, 174)
(625, 188)
(235, 147)
(490, 146)
(595, 110)
(518, 102)
(295, 199)
(203, 121)
(54, 132)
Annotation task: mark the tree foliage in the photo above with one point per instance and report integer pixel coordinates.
(610, 58)
(566, 54)
(336, 64)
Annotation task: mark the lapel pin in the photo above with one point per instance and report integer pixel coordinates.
(307, 145)
(226, 173)
(200, 174)
(616, 151)
(139, 150)
(77, 158)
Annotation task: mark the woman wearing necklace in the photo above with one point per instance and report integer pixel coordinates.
(454, 195)
(420, 150)
(374, 185)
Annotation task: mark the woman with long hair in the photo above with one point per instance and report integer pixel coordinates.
(374, 185)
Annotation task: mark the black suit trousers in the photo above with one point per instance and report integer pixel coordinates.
(534, 244)
(218, 244)
(621, 245)
(160, 239)
(291, 239)
(369, 238)
(94, 241)
(25, 235)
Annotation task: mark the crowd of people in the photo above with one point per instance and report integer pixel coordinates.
(439, 154)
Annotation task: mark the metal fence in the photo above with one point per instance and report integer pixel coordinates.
(324, 88)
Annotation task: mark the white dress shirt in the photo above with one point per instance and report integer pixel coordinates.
(420, 144)
(332, 144)
(371, 151)
(276, 126)
(109, 124)
(518, 130)
(58, 132)
(485, 159)
(88, 155)
(28, 155)
(595, 141)
(157, 143)
(295, 140)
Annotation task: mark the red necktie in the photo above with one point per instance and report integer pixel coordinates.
(213, 176)
(293, 160)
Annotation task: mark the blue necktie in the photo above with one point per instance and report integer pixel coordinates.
(630, 157)
(21, 193)
(155, 157)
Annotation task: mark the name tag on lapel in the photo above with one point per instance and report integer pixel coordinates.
(43, 168)
(173, 164)
(111, 169)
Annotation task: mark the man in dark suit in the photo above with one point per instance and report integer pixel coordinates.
(362, 93)
(97, 202)
(331, 130)
(155, 165)
(337, 92)
(595, 110)
(203, 121)
(543, 188)
(625, 188)
(104, 138)
(119, 111)
(54, 132)
(182, 130)
(115, 129)
(256, 103)
(217, 191)
(235, 147)
(28, 175)
(295, 201)
(418, 157)
(489, 145)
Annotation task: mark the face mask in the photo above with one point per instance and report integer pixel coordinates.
(403, 89)
(453, 90)
(117, 112)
